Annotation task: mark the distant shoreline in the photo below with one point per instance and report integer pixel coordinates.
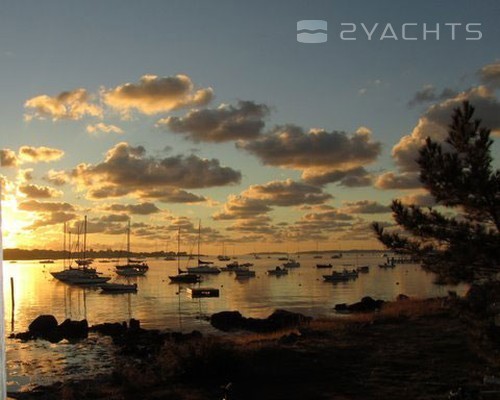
(40, 254)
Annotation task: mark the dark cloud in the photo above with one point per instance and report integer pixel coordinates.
(490, 75)
(240, 207)
(153, 94)
(403, 180)
(52, 218)
(140, 209)
(365, 207)
(423, 199)
(316, 152)
(258, 199)
(50, 207)
(225, 123)
(127, 170)
(33, 191)
(428, 94)
(8, 158)
(287, 193)
(434, 123)
(258, 225)
(355, 177)
(114, 218)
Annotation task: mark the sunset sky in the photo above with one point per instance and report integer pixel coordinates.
(170, 112)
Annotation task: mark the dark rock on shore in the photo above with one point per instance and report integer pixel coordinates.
(367, 304)
(42, 325)
(280, 319)
(46, 327)
(74, 329)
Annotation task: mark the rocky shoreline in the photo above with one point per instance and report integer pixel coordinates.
(411, 349)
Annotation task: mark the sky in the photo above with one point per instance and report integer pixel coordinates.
(179, 113)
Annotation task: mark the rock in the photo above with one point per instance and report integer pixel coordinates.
(110, 329)
(227, 320)
(134, 324)
(43, 324)
(74, 329)
(402, 297)
(280, 319)
(367, 304)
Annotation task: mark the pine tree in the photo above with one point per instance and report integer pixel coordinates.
(461, 241)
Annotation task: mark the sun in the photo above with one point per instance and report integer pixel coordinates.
(13, 225)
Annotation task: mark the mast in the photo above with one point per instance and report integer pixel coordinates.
(199, 236)
(179, 250)
(64, 245)
(84, 237)
(128, 240)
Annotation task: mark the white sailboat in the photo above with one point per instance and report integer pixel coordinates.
(182, 276)
(83, 274)
(202, 268)
(132, 267)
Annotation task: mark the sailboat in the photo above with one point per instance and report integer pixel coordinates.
(223, 256)
(132, 267)
(202, 268)
(83, 274)
(170, 256)
(183, 276)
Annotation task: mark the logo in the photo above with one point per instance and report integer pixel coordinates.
(312, 31)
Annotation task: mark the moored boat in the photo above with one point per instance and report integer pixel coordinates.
(278, 271)
(118, 287)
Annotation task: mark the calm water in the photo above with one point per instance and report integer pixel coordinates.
(160, 304)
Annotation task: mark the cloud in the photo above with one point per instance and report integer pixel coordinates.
(25, 175)
(127, 170)
(105, 128)
(355, 177)
(57, 178)
(258, 199)
(33, 191)
(141, 209)
(114, 218)
(316, 152)
(259, 225)
(404, 180)
(244, 121)
(423, 199)
(8, 158)
(32, 154)
(287, 193)
(364, 207)
(490, 75)
(170, 195)
(70, 105)
(240, 207)
(52, 218)
(428, 94)
(43, 206)
(434, 123)
(153, 94)
(318, 224)
(361, 230)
